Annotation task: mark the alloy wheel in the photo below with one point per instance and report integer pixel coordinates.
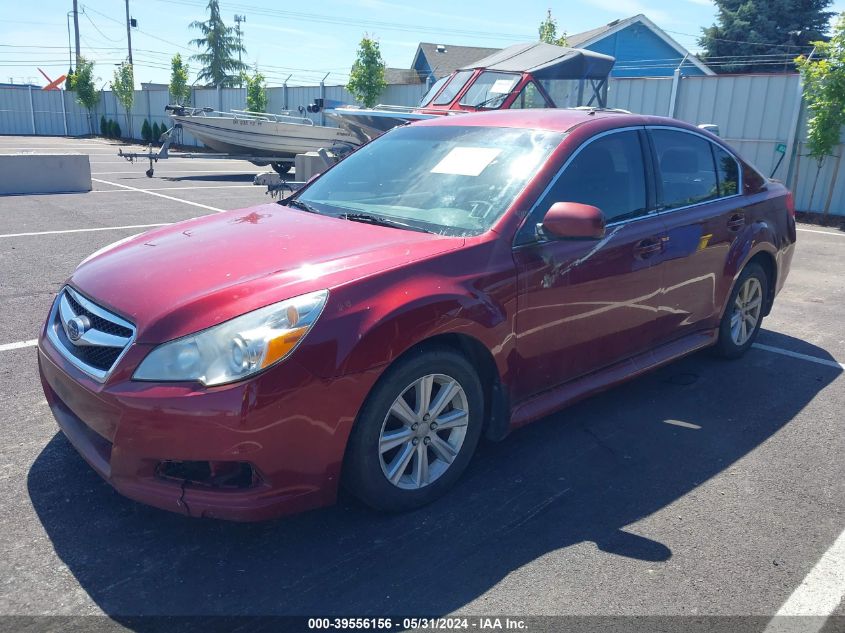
(748, 306)
(423, 431)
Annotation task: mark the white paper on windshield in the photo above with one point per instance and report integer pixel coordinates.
(501, 86)
(466, 161)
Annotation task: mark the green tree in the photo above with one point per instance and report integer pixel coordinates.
(548, 31)
(83, 86)
(123, 87)
(824, 94)
(180, 91)
(366, 80)
(220, 65)
(747, 30)
(256, 95)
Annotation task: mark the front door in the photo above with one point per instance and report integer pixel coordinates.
(586, 304)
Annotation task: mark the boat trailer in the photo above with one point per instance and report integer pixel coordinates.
(281, 164)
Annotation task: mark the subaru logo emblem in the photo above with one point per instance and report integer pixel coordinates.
(76, 328)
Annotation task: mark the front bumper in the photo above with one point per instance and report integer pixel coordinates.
(288, 425)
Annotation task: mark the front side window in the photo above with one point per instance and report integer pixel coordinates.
(433, 90)
(453, 87)
(451, 180)
(687, 173)
(530, 97)
(608, 173)
(489, 90)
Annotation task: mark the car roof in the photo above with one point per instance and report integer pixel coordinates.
(552, 119)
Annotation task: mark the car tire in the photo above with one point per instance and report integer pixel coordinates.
(743, 313)
(416, 470)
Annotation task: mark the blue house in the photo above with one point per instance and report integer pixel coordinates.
(641, 49)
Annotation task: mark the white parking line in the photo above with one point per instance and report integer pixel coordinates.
(179, 188)
(812, 359)
(159, 195)
(9, 346)
(209, 171)
(817, 596)
(101, 228)
(821, 232)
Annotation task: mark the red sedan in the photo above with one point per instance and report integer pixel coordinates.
(456, 277)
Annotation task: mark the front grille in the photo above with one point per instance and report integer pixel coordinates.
(90, 337)
(109, 327)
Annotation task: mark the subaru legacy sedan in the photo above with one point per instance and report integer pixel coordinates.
(453, 279)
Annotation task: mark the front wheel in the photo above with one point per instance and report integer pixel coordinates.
(744, 313)
(417, 432)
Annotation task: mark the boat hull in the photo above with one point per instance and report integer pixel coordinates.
(256, 137)
(366, 124)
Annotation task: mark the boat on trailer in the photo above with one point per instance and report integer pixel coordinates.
(241, 132)
(534, 75)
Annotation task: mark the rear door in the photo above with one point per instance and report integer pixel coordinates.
(698, 197)
(585, 304)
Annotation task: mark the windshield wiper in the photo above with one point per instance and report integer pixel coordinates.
(381, 221)
(491, 100)
(299, 204)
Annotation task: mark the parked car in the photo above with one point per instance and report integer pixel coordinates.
(455, 278)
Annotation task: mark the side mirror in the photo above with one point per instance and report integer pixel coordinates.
(572, 219)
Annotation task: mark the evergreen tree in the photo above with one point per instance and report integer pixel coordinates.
(220, 65)
(748, 30)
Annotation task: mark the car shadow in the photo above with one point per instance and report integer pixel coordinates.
(246, 177)
(579, 477)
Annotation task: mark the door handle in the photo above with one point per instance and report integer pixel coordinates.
(736, 222)
(648, 247)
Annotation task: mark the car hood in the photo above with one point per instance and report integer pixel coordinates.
(188, 276)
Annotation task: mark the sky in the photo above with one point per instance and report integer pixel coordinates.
(302, 40)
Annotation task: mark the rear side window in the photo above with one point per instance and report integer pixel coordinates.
(728, 171)
(686, 168)
(608, 173)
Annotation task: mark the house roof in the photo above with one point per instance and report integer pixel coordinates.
(548, 61)
(443, 62)
(586, 38)
(402, 76)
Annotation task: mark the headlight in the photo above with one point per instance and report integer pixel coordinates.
(238, 348)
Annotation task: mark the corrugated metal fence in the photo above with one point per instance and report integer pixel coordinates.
(757, 114)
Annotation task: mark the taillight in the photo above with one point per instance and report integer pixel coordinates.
(790, 204)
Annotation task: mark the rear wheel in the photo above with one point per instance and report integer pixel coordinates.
(744, 313)
(417, 432)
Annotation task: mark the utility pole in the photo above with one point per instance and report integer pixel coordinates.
(129, 32)
(76, 29)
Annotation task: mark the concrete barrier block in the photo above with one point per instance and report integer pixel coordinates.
(44, 173)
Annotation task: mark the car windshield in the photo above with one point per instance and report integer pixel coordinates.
(450, 180)
(433, 91)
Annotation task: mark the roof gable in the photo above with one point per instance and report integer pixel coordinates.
(586, 38)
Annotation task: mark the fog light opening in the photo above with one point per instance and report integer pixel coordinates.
(214, 474)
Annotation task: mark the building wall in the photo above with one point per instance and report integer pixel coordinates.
(639, 52)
